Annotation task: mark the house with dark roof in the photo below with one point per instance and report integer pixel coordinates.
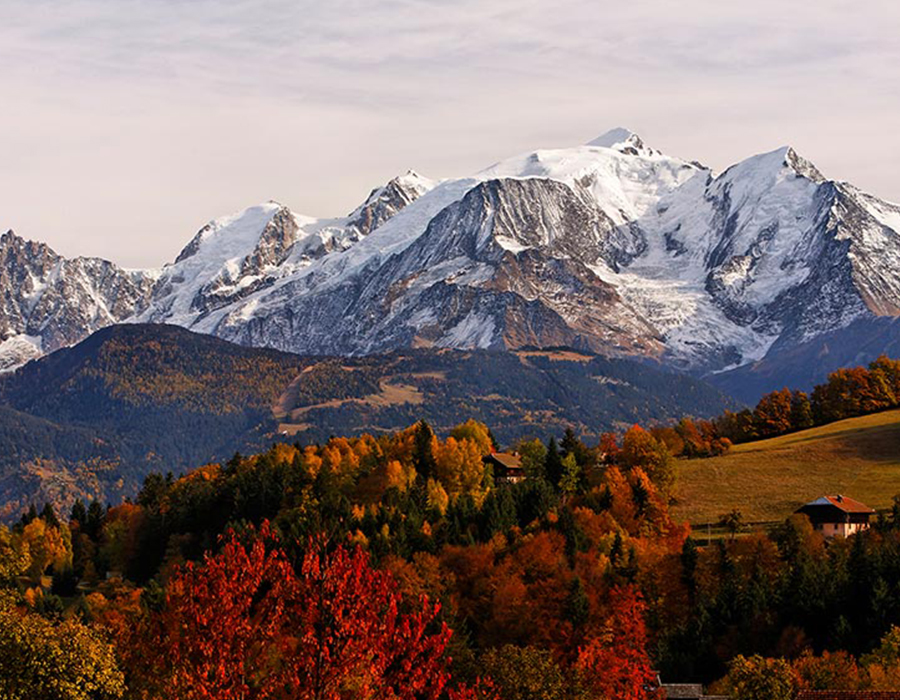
(506, 466)
(837, 516)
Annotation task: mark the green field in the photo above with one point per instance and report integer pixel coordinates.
(769, 479)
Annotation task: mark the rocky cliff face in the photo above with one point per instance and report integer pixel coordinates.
(48, 302)
(612, 246)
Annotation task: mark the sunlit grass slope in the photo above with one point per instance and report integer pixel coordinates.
(769, 479)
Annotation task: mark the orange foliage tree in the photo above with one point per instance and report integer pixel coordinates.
(772, 415)
(616, 664)
(830, 671)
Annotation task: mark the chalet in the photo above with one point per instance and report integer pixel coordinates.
(507, 467)
(837, 516)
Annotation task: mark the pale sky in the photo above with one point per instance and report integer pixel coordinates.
(125, 125)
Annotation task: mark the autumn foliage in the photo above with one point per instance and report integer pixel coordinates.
(615, 664)
(243, 624)
(312, 572)
(848, 392)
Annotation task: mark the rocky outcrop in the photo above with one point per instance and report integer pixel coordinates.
(48, 302)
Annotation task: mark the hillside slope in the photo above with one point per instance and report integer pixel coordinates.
(92, 420)
(769, 479)
(525, 393)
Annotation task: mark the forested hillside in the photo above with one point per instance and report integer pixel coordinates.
(527, 393)
(94, 419)
(400, 564)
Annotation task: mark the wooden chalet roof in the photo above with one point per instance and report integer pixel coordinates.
(506, 459)
(848, 505)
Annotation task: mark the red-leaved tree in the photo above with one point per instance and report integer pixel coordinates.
(616, 665)
(244, 625)
(483, 689)
(352, 641)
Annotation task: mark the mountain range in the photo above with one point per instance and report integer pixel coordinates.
(747, 277)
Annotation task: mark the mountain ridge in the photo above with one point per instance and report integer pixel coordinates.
(612, 246)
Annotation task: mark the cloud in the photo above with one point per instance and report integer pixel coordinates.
(127, 123)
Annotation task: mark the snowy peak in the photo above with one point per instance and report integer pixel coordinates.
(384, 202)
(11, 244)
(233, 258)
(623, 141)
(228, 259)
(626, 184)
(803, 167)
(48, 302)
(412, 181)
(773, 166)
(230, 236)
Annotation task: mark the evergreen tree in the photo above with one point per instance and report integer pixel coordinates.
(153, 490)
(571, 445)
(575, 539)
(689, 557)
(553, 464)
(498, 513)
(578, 606)
(95, 516)
(535, 497)
(616, 551)
(79, 512)
(48, 515)
(423, 453)
(28, 516)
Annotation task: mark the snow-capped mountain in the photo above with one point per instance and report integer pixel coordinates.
(48, 302)
(612, 246)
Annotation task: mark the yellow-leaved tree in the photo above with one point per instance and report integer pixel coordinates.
(15, 558)
(476, 432)
(459, 467)
(641, 450)
(45, 660)
(47, 546)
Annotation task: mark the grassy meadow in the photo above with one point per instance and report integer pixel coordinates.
(769, 479)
